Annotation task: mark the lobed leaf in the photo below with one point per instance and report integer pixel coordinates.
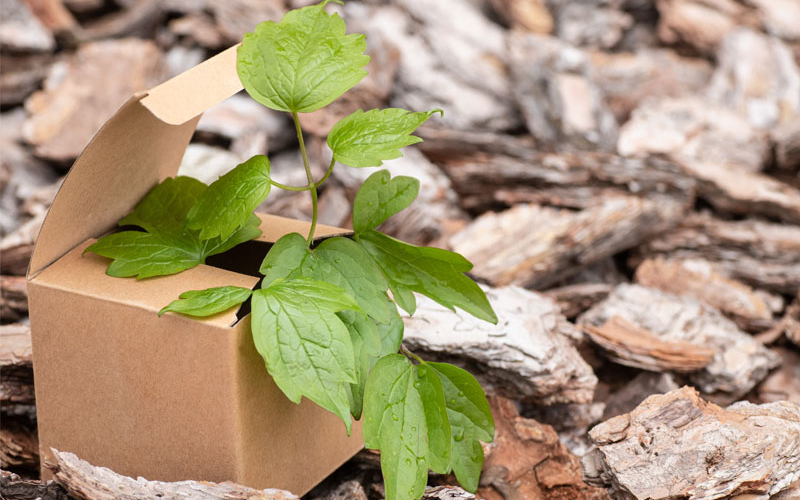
(228, 203)
(163, 210)
(367, 350)
(208, 302)
(145, 255)
(470, 420)
(433, 272)
(381, 197)
(367, 139)
(306, 347)
(395, 424)
(302, 63)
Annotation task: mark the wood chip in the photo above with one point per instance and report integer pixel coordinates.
(527, 355)
(630, 345)
(758, 77)
(88, 482)
(13, 298)
(561, 104)
(21, 29)
(698, 279)
(739, 361)
(760, 254)
(528, 15)
(537, 247)
(19, 445)
(572, 300)
(16, 358)
(64, 116)
(677, 446)
(527, 460)
(16, 488)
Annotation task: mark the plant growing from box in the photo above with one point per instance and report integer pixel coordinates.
(322, 317)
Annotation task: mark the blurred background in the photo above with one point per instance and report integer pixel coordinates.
(585, 145)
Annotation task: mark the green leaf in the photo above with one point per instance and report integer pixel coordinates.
(379, 198)
(302, 63)
(306, 347)
(344, 263)
(145, 255)
(367, 139)
(229, 201)
(433, 272)
(430, 390)
(163, 210)
(207, 302)
(391, 333)
(395, 424)
(470, 420)
(366, 350)
(339, 261)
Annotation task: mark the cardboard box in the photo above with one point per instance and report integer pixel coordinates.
(168, 398)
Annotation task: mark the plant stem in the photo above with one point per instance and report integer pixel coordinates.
(410, 354)
(305, 188)
(312, 186)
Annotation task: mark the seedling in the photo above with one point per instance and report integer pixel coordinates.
(322, 317)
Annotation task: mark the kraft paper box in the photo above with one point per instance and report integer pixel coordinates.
(170, 398)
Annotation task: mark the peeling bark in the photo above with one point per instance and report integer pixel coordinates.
(88, 482)
(678, 447)
(739, 362)
(760, 254)
(527, 355)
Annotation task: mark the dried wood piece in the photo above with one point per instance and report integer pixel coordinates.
(443, 144)
(452, 58)
(575, 180)
(57, 19)
(527, 355)
(695, 132)
(446, 493)
(433, 212)
(592, 24)
(628, 78)
(760, 254)
(527, 460)
(629, 345)
(757, 76)
(786, 141)
(139, 19)
(13, 298)
(696, 278)
(700, 24)
(537, 247)
(782, 384)
(21, 30)
(88, 482)
(61, 124)
(528, 15)
(560, 102)
(642, 386)
(16, 368)
(16, 488)
(19, 444)
(572, 300)
(677, 446)
(21, 76)
(348, 490)
(739, 361)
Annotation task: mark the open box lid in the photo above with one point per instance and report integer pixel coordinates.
(139, 146)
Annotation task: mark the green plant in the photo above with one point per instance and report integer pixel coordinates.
(322, 317)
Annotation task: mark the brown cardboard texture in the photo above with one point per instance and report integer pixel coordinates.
(168, 398)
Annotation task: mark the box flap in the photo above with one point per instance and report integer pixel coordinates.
(194, 91)
(139, 146)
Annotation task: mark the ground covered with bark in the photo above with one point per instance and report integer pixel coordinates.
(624, 174)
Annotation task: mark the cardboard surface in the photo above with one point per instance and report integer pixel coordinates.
(169, 398)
